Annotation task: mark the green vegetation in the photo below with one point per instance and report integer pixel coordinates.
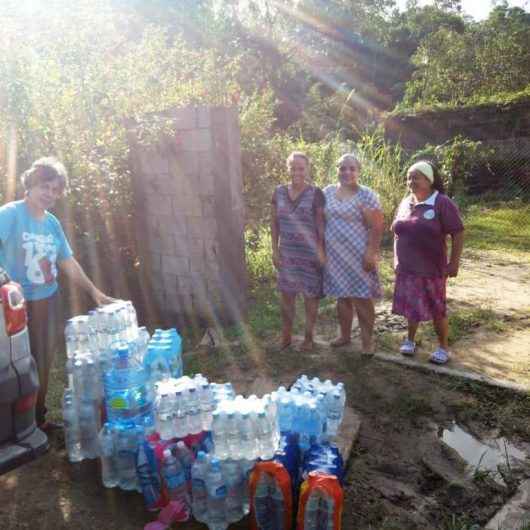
(303, 74)
(499, 226)
(460, 523)
(463, 322)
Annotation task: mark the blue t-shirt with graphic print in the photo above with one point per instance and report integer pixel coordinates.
(30, 249)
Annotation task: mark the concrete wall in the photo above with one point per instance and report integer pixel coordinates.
(484, 123)
(190, 216)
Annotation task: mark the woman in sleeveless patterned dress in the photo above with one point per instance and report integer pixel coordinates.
(354, 226)
(297, 227)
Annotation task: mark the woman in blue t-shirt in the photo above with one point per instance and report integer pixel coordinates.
(33, 247)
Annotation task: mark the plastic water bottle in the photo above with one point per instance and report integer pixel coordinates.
(126, 445)
(247, 444)
(234, 486)
(219, 435)
(194, 412)
(286, 414)
(311, 511)
(109, 471)
(125, 383)
(89, 427)
(335, 410)
(232, 434)
(72, 435)
(155, 364)
(206, 405)
(185, 456)
(278, 508)
(164, 418)
(175, 478)
(327, 512)
(265, 436)
(216, 497)
(147, 479)
(246, 467)
(262, 508)
(180, 419)
(199, 495)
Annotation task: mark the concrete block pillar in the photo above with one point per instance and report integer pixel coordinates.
(188, 193)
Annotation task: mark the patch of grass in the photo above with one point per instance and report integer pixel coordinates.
(412, 406)
(463, 322)
(460, 522)
(264, 315)
(211, 362)
(386, 273)
(498, 226)
(388, 341)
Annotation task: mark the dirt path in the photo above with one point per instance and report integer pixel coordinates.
(502, 284)
(491, 297)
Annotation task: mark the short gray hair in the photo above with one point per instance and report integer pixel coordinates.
(299, 154)
(45, 169)
(349, 156)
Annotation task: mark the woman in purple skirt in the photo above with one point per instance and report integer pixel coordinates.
(297, 227)
(423, 221)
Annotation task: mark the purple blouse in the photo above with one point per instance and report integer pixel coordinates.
(421, 231)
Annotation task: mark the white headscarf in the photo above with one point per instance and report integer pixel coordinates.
(424, 168)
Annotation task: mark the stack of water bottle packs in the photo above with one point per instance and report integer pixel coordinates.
(191, 446)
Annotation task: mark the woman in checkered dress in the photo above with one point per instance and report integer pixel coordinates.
(354, 226)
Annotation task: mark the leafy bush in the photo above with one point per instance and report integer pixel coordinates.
(457, 159)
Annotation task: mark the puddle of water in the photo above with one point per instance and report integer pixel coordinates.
(485, 454)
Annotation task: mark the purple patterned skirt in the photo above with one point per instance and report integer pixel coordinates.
(418, 298)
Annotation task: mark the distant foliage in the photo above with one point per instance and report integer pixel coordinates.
(457, 161)
(488, 58)
(71, 80)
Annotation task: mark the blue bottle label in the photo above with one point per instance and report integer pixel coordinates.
(174, 481)
(219, 492)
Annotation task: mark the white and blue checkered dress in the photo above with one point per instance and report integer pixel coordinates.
(346, 242)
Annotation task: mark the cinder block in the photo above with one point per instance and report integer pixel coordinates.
(185, 118)
(175, 265)
(188, 205)
(181, 245)
(203, 117)
(211, 251)
(158, 204)
(208, 206)
(165, 245)
(154, 244)
(155, 260)
(197, 140)
(177, 223)
(207, 183)
(170, 283)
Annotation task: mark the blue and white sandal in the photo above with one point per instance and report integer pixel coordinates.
(440, 356)
(408, 347)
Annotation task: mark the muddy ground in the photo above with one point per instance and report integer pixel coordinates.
(400, 475)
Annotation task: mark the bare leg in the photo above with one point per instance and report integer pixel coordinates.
(412, 329)
(311, 312)
(345, 316)
(441, 325)
(288, 311)
(366, 315)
